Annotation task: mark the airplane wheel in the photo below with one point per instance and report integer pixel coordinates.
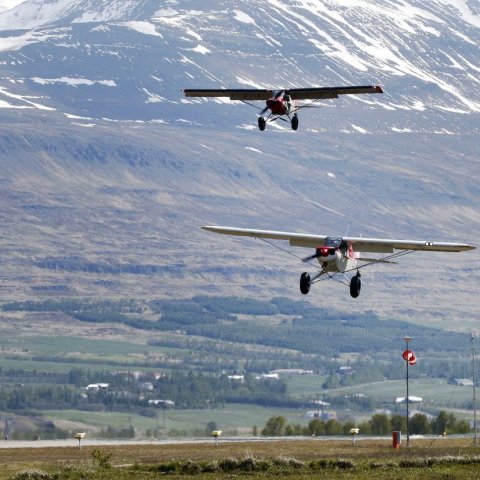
(261, 123)
(295, 122)
(355, 286)
(305, 283)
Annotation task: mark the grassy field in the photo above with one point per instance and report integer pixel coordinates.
(233, 419)
(310, 458)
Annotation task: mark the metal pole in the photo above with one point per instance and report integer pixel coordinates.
(475, 435)
(408, 412)
(407, 339)
(164, 424)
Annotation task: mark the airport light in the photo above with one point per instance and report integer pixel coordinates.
(79, 436)
(354, 432)
(215, 434)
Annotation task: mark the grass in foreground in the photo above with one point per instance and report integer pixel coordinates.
(311, 458)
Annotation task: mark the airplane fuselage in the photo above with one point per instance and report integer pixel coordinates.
(278, 106)
(336, 258)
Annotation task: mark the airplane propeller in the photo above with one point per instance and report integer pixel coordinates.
(311, 257)
(264, 110)
(320, 252)
(276, 97)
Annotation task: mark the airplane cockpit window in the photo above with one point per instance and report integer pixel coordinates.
(333, 242)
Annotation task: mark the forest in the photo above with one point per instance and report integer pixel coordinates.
(303, 327)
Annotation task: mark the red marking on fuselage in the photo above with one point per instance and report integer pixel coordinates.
(351, 253)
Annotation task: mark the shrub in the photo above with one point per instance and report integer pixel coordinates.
(34, 475)
(344, 464)
(413, 463)
(210, 467)
(318, 464)
(102, 458)
(191, 468)
(288, 462)
(228, 464)
(247, 464)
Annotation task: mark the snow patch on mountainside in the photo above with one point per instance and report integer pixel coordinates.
(9, 4)
(465, 11)
(20, 102)
(74, 82)
(34, 13)
(13, 43)
(146, 28)
(243, 17)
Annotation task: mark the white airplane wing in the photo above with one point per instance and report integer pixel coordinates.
(382, 245)
(295, 239)
(376, 245)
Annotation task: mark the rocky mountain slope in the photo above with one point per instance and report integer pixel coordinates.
(107, 171)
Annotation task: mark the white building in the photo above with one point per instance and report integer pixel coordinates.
(463, 382)
(165, 403)
(98, 386)
(264, 376)
(292, 371)
(411, 399)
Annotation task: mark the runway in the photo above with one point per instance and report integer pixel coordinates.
(86, 442)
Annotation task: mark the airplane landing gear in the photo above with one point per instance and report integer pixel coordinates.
(355, 285)
(295, 122)
(305, 283)
(261, 123)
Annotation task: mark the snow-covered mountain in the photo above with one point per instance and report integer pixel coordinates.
(131, 58)
(108, 171)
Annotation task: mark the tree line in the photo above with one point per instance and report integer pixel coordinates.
(419, 424)
(379, 424)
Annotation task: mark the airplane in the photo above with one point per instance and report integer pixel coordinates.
(341, 255)
(282, 103)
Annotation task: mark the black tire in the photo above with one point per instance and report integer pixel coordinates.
(305, 283)
(261, 123)
(355, 286)
(295, 122)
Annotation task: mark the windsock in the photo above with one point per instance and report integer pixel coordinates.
(409, 357)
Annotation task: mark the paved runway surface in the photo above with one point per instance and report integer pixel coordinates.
(104, 442)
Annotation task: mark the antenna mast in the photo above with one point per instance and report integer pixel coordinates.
(475, 430)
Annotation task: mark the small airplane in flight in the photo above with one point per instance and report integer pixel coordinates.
(340, 255)
(282, 103)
